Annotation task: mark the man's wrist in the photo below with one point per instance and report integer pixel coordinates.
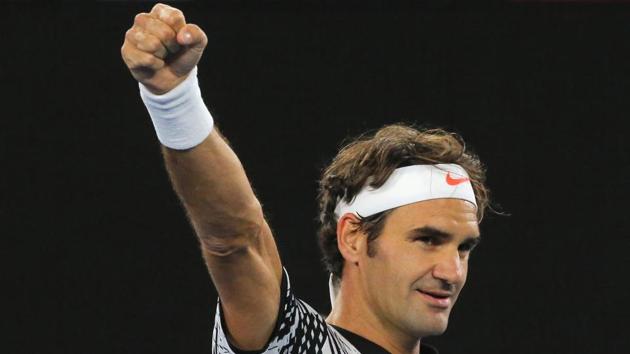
(180, 117)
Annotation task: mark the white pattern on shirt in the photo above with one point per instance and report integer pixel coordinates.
(299, 330)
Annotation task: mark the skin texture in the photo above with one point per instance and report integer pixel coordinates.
(378, 297)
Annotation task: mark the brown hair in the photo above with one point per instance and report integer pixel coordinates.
(377, 156)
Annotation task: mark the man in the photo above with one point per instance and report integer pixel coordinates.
(399, 217)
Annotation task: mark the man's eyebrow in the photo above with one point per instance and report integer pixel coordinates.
(429, 231)
(435, 232)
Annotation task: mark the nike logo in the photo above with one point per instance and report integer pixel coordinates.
(455, 181)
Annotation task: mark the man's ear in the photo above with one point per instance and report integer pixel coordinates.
(350, 240)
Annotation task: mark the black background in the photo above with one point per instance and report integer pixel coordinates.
(99, 256)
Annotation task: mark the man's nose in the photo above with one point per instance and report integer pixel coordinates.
(450, 267)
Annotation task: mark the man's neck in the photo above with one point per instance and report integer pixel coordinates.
(351, 316)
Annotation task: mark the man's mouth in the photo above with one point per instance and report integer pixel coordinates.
(437, 298)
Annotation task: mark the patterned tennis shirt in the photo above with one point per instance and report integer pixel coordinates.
(300, 329)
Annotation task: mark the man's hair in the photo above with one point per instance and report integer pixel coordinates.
(377, 156)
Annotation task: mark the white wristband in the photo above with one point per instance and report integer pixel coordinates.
(180, 118)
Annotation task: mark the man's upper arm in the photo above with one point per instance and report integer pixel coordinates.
(248, 280)
(236, 242)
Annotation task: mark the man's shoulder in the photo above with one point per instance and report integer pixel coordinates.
(299, 329)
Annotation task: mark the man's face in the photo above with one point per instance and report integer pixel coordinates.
(424, 247)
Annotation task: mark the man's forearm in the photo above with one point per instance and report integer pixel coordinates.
(211, 183)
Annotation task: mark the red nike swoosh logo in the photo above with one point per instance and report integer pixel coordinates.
(455, 181)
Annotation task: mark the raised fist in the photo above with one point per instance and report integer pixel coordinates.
(160, 49)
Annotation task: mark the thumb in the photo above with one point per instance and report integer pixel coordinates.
(192, 37)
(193, 41)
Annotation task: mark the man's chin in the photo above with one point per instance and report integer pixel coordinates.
(432, 328)
(438, 332)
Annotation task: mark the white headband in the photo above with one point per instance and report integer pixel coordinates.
(408, 185)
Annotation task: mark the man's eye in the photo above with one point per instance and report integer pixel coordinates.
(431, 241)
(466, 247)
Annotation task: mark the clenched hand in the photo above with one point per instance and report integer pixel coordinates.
(161, 49)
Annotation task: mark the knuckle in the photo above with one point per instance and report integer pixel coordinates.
(177, 13)
(175, 16)
(157, 7)
(138, 36)
(153, 44)
(170, 15)
(140, 18)
(129, 35)
(146, 60)
(153, 48)
(168, 18)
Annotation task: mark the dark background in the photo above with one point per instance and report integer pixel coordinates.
(99, 257)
